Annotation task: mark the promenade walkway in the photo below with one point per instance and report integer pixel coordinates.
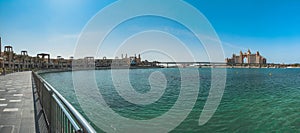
(17, 112)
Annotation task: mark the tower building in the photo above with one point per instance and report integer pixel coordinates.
(247, 58)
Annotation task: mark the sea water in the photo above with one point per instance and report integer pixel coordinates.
(254, 100)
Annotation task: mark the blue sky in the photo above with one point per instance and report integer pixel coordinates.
(52, 26)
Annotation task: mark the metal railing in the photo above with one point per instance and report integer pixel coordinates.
(61, 116)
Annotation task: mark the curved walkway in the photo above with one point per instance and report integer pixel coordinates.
(17, 112)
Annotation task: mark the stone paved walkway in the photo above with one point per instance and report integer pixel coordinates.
(16, 103)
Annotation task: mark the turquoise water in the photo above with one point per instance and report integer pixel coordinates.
(254, 100)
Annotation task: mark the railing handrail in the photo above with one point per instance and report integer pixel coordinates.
(77, 128)
(80, 119)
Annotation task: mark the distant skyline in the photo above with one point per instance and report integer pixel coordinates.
(53, 26)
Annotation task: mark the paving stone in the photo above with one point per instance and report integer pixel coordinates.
(6, 129)
(17, 112)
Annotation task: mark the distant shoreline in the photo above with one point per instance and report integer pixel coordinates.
(108, 68)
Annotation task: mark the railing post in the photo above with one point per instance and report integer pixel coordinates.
(51, 111)
(61, 116)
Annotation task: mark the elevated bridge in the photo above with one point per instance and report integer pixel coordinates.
(193, 63)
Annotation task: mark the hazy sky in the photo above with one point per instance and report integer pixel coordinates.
(53, 26)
